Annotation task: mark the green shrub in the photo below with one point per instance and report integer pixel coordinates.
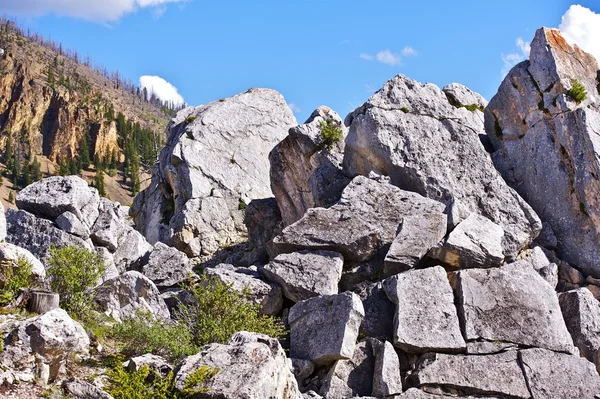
(577, 92)
(190, 119)
(147, 384)
(15, 275)
(73, 272)
(331, 132)
(219, 311)
(143, 334)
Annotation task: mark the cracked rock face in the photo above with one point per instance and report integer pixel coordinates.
(547, 144)
(412, 133)
(215, 162)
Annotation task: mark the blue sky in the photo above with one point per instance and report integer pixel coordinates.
(333, 53)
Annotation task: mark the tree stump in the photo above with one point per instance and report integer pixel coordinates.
(42, 301)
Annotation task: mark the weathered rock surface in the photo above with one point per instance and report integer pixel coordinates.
(217, 157)
(167, 266)
(128, 294)
(401, 132)
(513, 304)
(251, 366)
(267, 295)
(425, 318)
(546, 143)
(37, 235)
(156, 363)
(353, 377)
(386, 374)
(70, 223)
(306, 274)
(110, 227)
(305, 171)
(12, 253)
(552, 375)
(40, 346)
(475, 243)
(417, 235)
(325, 329)
(133, 252)
(55, 195)
(581, 312)
(461, 96)
(379, 312)
(492, 375)
(364, 220)
(78, 389)
(2, 223)
(263, 222)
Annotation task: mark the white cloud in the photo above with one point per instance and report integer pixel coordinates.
(295, 109)
(387, 57)
(367, 57)
(92, 10)
(162, 89)
(409, 51)
(581, 26)
(512, 59)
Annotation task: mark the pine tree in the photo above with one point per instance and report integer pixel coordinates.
(25, 177)
(74, 166)
(84, 151)
(8, 154)
(99, 183)
(36, 173)
(51, 78)
(11, 197)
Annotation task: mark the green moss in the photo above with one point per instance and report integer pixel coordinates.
(405, 110)
(190, 119)
(242, 206)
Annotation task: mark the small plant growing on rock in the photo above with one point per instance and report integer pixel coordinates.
(190, 119)
(331, 132)
(73, 272)
(14, 275)
(577, 92)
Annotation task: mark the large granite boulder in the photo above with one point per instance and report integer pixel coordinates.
(325, 328)
(414, 134)
(263, 222)
(387, 380)
(251, 366)
(167, 266)
(363, 221)
(546, 142)
(305, 170)
(512, 304)
(425, 318)
(217, 157)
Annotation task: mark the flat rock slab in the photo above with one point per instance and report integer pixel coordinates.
(417, 235)
(492, 374)
(325, 329)
(425, 318)
(475, 243)
(552, 375)
(306, 274)
(364, 220)
(512, 304)
(387, 380)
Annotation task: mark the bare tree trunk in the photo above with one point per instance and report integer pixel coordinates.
(42, 301)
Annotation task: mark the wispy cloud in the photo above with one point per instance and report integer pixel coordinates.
(388, 57)
(512, 59)
(581, 26)
(161, 88)
(91, 10)
(295, 109)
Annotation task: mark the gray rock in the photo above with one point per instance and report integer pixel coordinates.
(133, 252)
(492, 375)
(219, 150)
(55, 195)
(306, 274)
(536, 256)
(301, 369)
(78, 389)
(425, 318)
(110, 270)
(38, 235)
(12, 253)
(305, 172)
(511, 304)
(41, 345)
(581, 312)
(70, 223)
(546, 144)
(128, 294)
(552, 375)
(414, 393)
(459, 96)
(417, 235)
(2, 223)
(570, 274)
(386, 375)
(365, 220)
(267, 295)
(401, 132)
(550, 274)
(110, 226)
(251, 366)
(167, 266)
(486, 347)
(263, 222)
(156, 363)
(325, 329)
(311, 395)
(353, 377)
(379, 313)
(475, 243)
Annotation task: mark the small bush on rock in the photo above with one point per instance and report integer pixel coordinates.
(73, 272)
(577, 92)
(14, 275)
(219, 311)
(331, 132)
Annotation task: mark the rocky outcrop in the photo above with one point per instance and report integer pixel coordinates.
(167, 266)
(305, 169)
(403, 130)
(546, 142)
(78, 389)
(251, 366)
(204, 180)
(2, 223)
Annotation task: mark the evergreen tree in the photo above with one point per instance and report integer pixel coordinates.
(11, 197)
(36, 173)
(8, 154)
(51, 78)
(74, 166)
(99, 183)
(25, 178)
(63, 167)
(84, 151)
